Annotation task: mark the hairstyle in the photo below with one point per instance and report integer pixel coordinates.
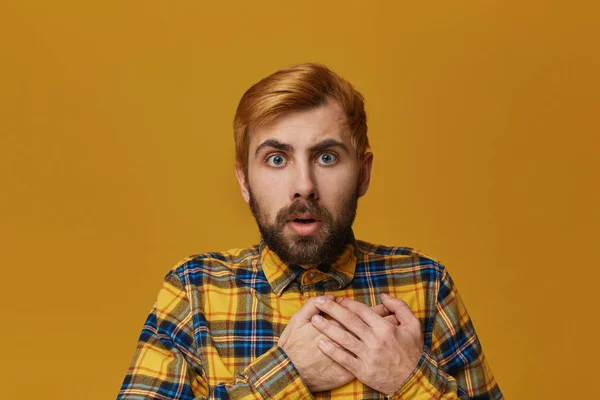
(300, 87)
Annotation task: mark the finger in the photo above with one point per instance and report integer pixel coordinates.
(325, 337)
(339, 335)
(399, 308)
(341, 356)
(334, 322)
(368, 315)
(379, 309)
(350, 320)
(385, 313)
(309, 308)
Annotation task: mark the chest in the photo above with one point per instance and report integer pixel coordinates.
(242, 324)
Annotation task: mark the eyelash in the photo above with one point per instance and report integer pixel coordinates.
(269, 157)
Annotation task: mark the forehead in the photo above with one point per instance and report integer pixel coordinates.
(305, 128)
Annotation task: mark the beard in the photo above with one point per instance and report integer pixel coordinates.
(323, 247)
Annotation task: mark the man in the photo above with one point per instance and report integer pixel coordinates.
(298, 316)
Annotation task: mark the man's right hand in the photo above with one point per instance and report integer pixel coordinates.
(300, 340)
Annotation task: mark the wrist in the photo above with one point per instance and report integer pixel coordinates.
(393, 384)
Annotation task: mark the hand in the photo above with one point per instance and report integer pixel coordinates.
(299, 340)
(378, 353)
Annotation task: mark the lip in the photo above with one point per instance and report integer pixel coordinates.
(305, 229)
(302, 216)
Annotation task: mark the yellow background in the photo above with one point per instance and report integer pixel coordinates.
(117, 161)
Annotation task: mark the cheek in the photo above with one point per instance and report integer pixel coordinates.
(336, 189)
(269, 192)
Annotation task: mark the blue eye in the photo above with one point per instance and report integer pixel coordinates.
(276, 160)
(327, 158)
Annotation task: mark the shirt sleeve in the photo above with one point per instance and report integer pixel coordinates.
(167, 363)
(454, 366)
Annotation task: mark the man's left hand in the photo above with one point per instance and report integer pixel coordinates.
(380, 354)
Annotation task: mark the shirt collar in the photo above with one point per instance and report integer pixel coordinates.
(280, 274)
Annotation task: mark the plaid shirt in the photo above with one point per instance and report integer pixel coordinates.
(214, 329)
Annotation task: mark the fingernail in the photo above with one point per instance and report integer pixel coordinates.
(318, 319)
(339, 299)
(386, 296)
(321, 300)
(323, 344)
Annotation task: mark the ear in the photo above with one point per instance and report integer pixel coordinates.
(365, 174)
(240, 174)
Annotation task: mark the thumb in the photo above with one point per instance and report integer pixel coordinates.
(309, 309)
(398, 307)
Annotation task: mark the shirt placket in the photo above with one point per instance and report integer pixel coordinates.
(312, 283)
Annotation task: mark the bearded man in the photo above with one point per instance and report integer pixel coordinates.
(310, 312)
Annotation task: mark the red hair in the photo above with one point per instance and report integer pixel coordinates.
(300, 87)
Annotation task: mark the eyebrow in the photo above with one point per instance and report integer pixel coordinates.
(325, 144)
(274, 143)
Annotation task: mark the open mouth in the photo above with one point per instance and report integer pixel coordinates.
(305, 220)
(304, 225)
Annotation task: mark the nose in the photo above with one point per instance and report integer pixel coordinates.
(304, 185)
